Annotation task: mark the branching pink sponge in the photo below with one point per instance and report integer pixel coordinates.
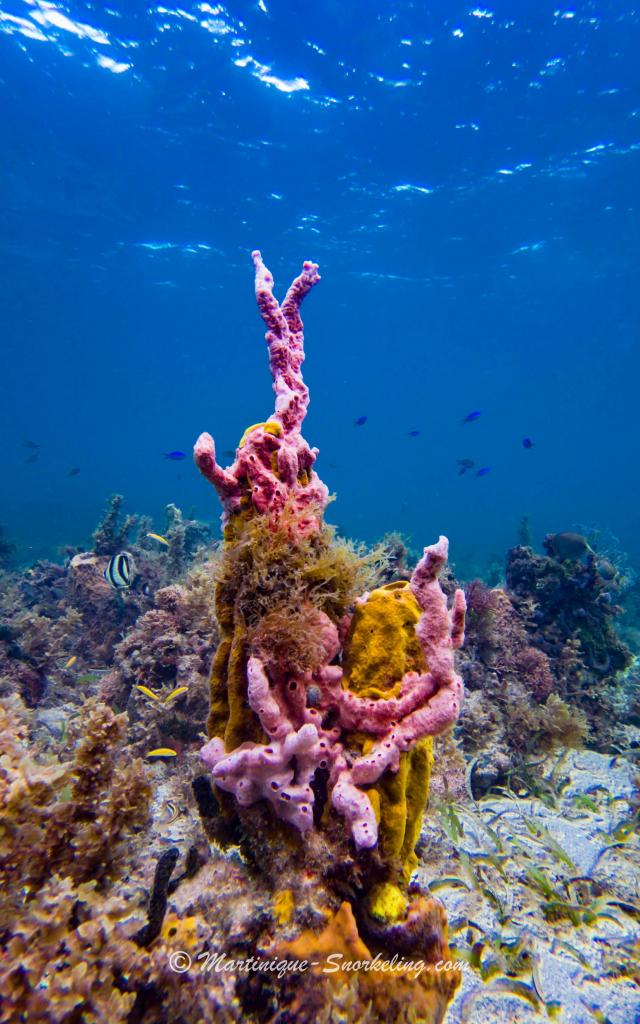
(274, 464)
(309, 717)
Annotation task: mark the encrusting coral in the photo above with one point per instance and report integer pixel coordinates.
(334, 715)
(412, 991)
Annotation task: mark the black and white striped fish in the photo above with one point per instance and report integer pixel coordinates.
(119, 571)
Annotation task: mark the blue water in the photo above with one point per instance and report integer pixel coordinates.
(467, 179)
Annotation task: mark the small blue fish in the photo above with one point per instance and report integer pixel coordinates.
(471, 416)
(527, 443)
(74, 471)
(414, 433)
(175, 456)
(484, 471)
(360, 422)
(465, 464)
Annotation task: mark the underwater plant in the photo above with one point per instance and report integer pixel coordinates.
(324, 704)
(113, 531)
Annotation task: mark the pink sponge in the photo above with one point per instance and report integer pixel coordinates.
(309, 716)
(274, 464)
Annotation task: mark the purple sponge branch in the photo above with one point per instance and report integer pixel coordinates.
(355, 807)
(279, 772)
(377, 716)
(438, 631)
(286, 341)
(273, 467)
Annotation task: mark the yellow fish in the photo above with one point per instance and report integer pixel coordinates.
(157, 536)
(147, 692)
(162, 752)
(175, 693)
(72, 660)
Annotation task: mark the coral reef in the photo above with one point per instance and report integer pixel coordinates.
(168, 650)
(543, 664)
(61, 623)
(570, 598)
(67, 819)
(568, 604)
(52, 614)
(297, 833)
(513, 707)
(160, 936)
(72, 898)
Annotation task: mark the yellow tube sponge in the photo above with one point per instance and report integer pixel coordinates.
(381, 647)
(382, 643)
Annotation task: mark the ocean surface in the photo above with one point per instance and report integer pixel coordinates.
(467, 179)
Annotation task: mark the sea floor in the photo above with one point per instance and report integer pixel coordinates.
(542, 896)
(541, 892)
